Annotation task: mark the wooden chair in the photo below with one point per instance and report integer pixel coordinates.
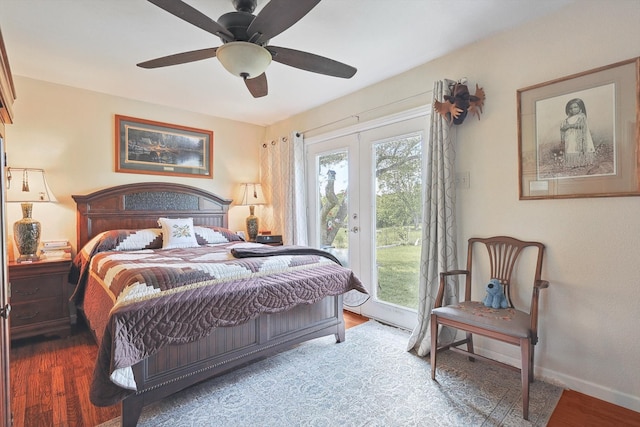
(508, 325)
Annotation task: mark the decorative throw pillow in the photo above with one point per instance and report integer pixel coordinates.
(125, 240)
(211, 235)
(134, 240)
(177, 233)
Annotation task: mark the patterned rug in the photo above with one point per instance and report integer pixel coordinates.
(368, 380)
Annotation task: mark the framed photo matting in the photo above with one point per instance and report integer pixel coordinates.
(145, 146)
(579, 136)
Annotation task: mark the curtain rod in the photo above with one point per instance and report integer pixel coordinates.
(357, 115)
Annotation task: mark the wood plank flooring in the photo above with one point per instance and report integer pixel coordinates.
(50, 387)
(577, 409)
(50, 381)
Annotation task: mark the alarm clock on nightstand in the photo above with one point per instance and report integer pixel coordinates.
(269, 239)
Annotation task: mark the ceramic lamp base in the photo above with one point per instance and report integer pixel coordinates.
(26, 233)
(252, 227)
(252, 224)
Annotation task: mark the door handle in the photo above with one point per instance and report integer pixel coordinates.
(4, 311)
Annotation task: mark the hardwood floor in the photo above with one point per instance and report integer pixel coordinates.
(577, 409)
(50, 381)
(50, 387)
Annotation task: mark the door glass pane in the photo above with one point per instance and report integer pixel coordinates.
(333, 180)
(398, 213)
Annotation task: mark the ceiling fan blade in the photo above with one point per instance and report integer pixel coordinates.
(276, 16)
(311, 62)
(257, 86)
(193, 16)
(179, 58)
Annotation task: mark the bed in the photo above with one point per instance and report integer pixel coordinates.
(160, 333)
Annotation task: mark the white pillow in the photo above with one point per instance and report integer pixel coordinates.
(177, 233)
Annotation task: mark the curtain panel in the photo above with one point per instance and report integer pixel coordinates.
(282, 174)
(439, 249)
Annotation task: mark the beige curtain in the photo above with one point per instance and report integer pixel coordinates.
(282, 174)
(439, 250)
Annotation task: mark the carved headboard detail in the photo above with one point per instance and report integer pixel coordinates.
(139, 205)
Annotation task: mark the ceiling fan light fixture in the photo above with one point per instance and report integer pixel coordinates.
(244, 59)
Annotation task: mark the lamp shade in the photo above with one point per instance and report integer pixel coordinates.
(28, 185)
(244, 59)
(251, 194)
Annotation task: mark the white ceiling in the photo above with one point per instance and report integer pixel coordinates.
(95, 44)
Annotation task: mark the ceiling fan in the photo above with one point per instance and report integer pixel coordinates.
(245, 51)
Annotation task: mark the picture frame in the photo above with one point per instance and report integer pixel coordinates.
(150, 147)
(579, 136)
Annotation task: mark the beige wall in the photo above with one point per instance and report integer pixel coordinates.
(69, 133)
(591, 313)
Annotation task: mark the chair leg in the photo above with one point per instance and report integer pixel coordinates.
(533, 351)
(470, 346)
(434, 344)
(525, 372)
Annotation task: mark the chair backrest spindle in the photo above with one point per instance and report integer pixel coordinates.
(503, 255)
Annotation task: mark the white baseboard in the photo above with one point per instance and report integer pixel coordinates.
(572, 383)
(589, 388)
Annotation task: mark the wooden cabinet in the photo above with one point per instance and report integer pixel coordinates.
(39, 298)
(7, 97)
(7, 90)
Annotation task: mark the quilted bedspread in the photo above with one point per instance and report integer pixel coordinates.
(137, 302)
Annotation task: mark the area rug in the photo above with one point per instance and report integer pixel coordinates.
(368, 380)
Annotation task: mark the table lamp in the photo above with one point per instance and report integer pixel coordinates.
(33, 188)
(252, 195)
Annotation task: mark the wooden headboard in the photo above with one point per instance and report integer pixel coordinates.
(136, 206)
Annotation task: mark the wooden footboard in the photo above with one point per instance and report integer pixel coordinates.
(178, 367)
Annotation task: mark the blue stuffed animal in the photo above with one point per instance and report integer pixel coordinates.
(495, 295)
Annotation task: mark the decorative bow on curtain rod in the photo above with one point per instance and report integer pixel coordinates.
(460, 102)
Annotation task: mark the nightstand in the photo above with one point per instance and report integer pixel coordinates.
(39, 298)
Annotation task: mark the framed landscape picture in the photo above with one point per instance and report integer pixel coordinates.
(145, 146)
(579, 136)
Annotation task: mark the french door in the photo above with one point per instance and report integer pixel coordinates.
(365, 204)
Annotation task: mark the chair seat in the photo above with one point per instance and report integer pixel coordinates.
(508, 321)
